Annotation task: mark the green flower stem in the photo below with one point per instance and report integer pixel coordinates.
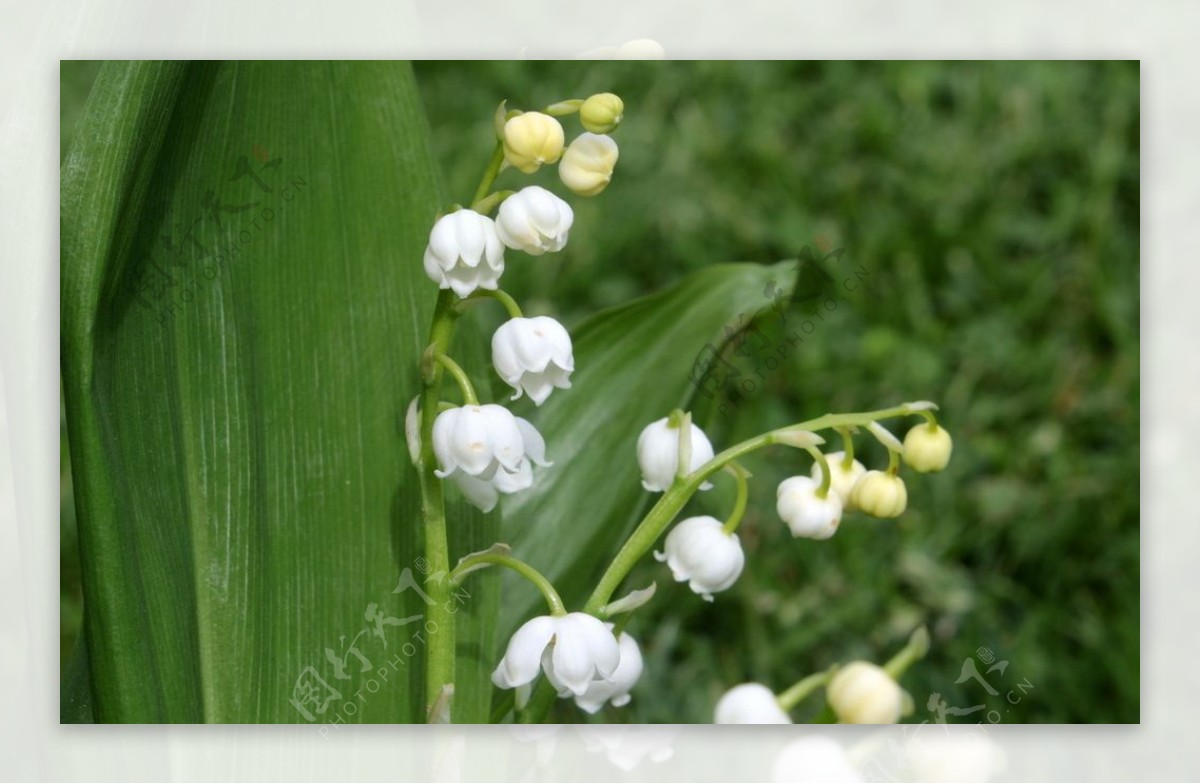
(802, 688)
(826, 477)
(672, 501)
(491, 201)
(893, 462)
(460, 377)
(440, 631)
(553, 600)
(500, 295)
(916, 648)
(489, 174)
(743, 496)
(847, 447)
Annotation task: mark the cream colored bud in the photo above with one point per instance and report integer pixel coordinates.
(863, 693)
(601, 113)
(531, 139)
(880, 494)
(927, 448)
(588, 163)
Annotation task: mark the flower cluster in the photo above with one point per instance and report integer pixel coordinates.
(487, 451)
(706, 553)
(858, 692)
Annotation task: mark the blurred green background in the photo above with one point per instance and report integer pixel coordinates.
(987, 215)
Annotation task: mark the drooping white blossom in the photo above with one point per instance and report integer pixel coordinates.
(842, 478)
(464, 253)
(863, 693)
(533, 355)
(486, 450)
(807, 514)
(572, 650)
(698, 550)
(616, 688)
(534, 220)
(658, 454)
(749, 703)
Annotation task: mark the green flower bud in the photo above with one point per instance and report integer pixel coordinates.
(601, 113)
(927, 448)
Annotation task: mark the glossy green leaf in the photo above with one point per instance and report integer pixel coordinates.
(243, 305)
(634, 364)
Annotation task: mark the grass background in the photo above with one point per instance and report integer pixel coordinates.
(988, 216)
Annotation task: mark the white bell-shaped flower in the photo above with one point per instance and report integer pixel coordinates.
(486, 450)
(534, 220)
(464, 253)
(573, 650)
(617, 687)
(863, 693)
(842, 479)
(804, 511)
(587, 165)
(750, 703)
(533, 355)
(700, 551)
(658, 454)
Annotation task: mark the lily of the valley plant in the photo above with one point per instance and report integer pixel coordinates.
(589, 654)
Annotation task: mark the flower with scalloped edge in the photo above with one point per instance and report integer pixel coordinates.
(534, 220)
(750, 703)
(806, 513)
(464, 253)
(485, 450)
(573, 650)
(533, 355)
(615, 689)
(700, 551)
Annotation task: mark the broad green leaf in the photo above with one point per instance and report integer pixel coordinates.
(635, 363)
(243, 305)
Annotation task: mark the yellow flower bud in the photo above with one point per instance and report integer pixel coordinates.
(587, 165)
(601, 113)
(531, 139)
(927, 448)
(880, 494)
(863, 693)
